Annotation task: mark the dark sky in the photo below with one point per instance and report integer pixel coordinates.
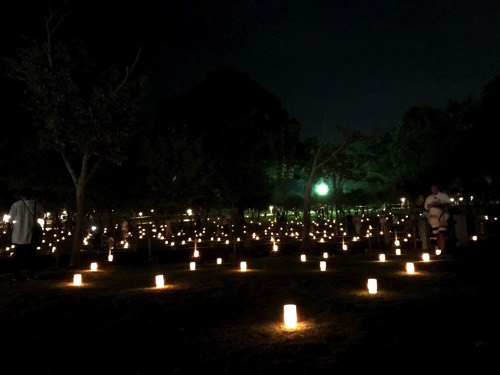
(360, 63)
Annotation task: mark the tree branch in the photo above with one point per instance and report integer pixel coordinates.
(128, 72)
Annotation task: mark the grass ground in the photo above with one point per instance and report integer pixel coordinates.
(218, 320)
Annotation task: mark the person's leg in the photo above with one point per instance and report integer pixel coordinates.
(441, 241)
(30, 261)
(19, 256)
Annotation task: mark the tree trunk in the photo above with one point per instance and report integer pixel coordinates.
(306, 243)
(79, 227)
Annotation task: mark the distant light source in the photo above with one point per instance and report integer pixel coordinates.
(321, 189)
(93, 266)
(110, 257)
(219, 260)
(426, 257)
(322, 265)
(192, 266)
(243, 266)
(381, 257)
(290, 315)
(303, 257)
(325, 255)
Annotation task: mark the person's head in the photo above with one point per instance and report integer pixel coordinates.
(26, 192)
(434, 189)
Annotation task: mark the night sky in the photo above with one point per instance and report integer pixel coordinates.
(357, 63)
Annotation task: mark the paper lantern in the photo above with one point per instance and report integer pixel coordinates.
(381, 257)
(243, 266)
(160, 281)
(93, 266)
(372, 286)
(196, 254)
(110, 258)
(325, 255)
(438, 251)
(426, 257)
(322, 265)
(219, 260)
(77, 279)
(192, 266)
(290, 315)
(303, 257)
(410, 267)
(398, 251)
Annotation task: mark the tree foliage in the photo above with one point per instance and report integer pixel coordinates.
(86, 113)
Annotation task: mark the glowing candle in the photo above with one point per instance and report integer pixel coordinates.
(372, 286)
(410, 267)
(290, 315)
(77, 279)
(160, 281)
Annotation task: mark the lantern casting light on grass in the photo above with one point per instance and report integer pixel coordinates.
(160, 281)
(372, 286)
(93, 266)
(290, 315)
(243, 266)
(410, 267)
(322, 265)
(77, 279)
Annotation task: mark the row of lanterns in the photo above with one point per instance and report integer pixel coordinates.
(289, 310)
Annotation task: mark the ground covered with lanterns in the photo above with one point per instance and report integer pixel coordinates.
(217, 317)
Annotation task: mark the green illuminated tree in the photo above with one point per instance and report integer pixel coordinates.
(322, 155)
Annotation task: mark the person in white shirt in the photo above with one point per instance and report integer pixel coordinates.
(437, 205)
(22, 216)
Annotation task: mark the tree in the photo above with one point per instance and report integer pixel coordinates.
(85, 112)
(233, 129)
(322, 155)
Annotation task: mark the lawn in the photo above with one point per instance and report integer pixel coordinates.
(219, 320)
